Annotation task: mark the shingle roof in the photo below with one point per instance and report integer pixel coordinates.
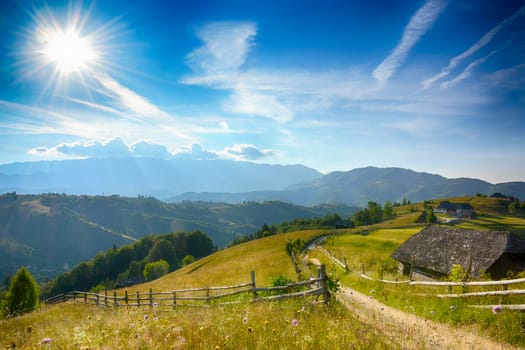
(438, 248)
(454, 206)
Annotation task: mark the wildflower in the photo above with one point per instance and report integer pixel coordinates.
(245, 319)
(295, 323)
(46, 341)
(155, 318)
(372, 291)
(155, 304)
(432, 312)
(266, 323)
(452, 307)
(145, 317)
(303, 309)
(496, 309)
(369, 297)
(131, 325)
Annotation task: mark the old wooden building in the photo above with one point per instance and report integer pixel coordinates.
(433, 252)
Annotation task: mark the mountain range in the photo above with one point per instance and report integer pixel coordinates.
(181, 179)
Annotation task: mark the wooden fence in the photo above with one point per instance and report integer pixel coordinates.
(246, 292)
(504, 290)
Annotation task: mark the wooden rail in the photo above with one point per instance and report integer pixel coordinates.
(501, 293)
(202, 296)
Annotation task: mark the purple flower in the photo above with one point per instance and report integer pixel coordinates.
(46, 341)
(145, 317)
(496, 309)
(155, 304)
(295, 323)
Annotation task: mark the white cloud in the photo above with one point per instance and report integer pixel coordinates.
(246, 101)
(218, 63)
(245, 152)
(467, 72)
(419, 24)
(226, 46)
(485, 39)
(151, 150)
(95, 149)
(130, 100)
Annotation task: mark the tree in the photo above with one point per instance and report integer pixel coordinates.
(388, 210)
(164, 250)
(431, 217)
(154, 270)
(23, 293)
(188, 259)
(199, 245)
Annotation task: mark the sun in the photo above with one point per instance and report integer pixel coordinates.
(68, 50)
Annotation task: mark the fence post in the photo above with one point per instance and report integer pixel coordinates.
(126, 297)
(115, 299)
(64, 297)
(207, 295)
(138, 298)
(105, 297)
(254, 290)
(150, 297)
(74, 297)
(321, 274)
(174, 300)
(98, 299)
(85, 297)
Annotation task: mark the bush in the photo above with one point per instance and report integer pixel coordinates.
(23, 293)
(156, 269)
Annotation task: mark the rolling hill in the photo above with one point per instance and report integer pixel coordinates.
(52, 231)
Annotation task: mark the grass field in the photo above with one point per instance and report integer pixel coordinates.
(299, 323)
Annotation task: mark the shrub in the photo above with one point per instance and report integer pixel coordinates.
(23, 293)
(156, 269)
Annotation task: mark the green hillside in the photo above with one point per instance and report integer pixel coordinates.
(269, 324)
(51, 233)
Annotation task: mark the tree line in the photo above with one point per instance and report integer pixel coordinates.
(146, 259)
(372, 214)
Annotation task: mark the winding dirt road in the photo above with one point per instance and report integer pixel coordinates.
(409, 331)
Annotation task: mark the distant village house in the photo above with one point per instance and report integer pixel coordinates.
(431, 253)
(459, 210)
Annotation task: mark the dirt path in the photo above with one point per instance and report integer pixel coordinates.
(409, 331)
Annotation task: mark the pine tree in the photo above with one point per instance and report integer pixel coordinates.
(23, 293)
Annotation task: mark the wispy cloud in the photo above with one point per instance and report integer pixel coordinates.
(485, 39)
(467, 72)
(419, 24)
(218, 64)
(226, 46)
(130, 100)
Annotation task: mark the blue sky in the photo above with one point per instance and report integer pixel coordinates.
(433, 86)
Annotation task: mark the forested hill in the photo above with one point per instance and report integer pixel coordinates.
(129, 263)
(52, 232)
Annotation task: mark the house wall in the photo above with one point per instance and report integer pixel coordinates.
(507, 262)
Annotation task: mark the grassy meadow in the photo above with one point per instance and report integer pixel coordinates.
(292, 324)
(368, 250)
